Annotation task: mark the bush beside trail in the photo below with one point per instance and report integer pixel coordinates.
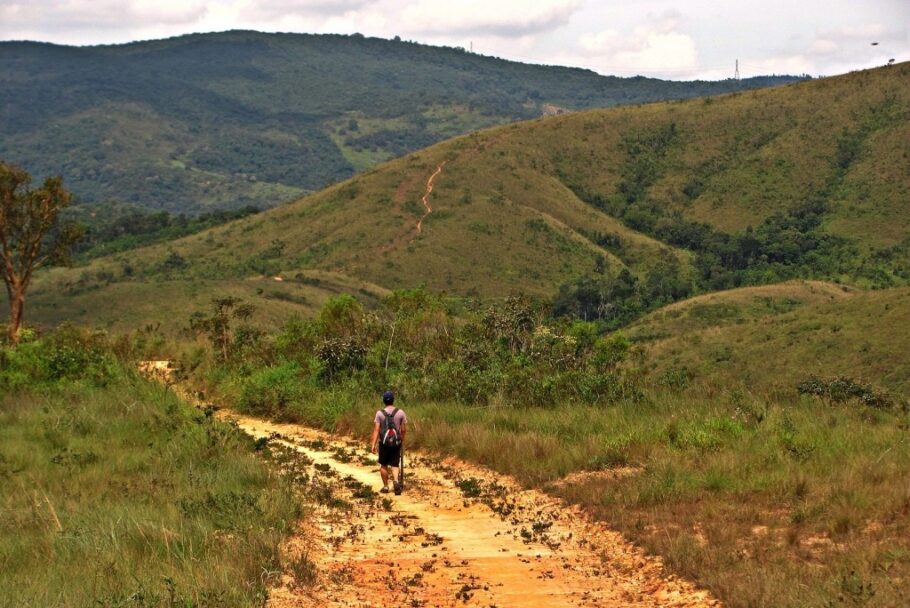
(115, 493)
(506, 352)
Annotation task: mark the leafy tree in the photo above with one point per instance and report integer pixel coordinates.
(31, 234)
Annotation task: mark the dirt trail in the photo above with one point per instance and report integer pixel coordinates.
(459, 536)
(426, 196)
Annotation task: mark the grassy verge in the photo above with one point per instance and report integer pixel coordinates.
(771, 499)
(767, 503)
(124, 496)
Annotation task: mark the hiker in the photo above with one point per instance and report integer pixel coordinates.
(389, 428)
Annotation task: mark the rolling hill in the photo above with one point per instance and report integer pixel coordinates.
(244, 118)
(771, 337)
(667, 200)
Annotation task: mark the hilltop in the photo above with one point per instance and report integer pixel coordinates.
(243, 118)
(620, 210)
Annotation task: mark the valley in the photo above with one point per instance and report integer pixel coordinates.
(651, 336)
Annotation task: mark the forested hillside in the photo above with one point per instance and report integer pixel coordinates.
(611, 213)
(213, 121)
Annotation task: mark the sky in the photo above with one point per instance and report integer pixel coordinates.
(680, 40)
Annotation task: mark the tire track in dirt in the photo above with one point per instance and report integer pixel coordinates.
(460, 535)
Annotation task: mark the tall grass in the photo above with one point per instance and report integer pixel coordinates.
(124, 496)
(766, 501)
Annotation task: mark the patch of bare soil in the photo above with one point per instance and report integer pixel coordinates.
(460, 535)
(426, 196)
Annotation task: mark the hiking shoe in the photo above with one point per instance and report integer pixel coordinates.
(397, 489)
(384, 490)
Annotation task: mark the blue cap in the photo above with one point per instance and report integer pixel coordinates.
(388, 397)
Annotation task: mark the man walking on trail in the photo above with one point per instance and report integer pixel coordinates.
(389, 427)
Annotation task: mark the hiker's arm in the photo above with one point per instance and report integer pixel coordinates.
(374, 442)
(404, 431)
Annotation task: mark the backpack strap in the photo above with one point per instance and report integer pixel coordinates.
(390, 418)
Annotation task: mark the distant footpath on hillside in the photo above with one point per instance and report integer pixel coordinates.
(229, 120)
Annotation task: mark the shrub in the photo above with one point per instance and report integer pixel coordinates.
(610, 352)
(70, 354)
(842, 389)
(270, 390)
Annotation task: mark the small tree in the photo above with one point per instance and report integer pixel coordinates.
(218, 326)
(31, 234)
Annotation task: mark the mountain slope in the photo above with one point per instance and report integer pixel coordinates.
(540, 204)
(775, 336)
(238, 118)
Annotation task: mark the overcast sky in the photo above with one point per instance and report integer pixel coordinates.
(667, 39)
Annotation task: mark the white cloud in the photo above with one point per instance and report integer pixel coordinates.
(101, 13)
(838, 50)
(823, 46)
(278, 9)
(505, 18)
(656, 46)
(865, 31)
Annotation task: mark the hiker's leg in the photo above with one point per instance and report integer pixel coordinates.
(384, 473)
(395, 474)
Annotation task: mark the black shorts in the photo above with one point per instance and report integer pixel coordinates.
(389, 456)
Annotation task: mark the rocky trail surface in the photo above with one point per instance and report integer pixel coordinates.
(459, 535)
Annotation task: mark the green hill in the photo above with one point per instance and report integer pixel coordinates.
(803, 181)
(238, 118)
(773, 337)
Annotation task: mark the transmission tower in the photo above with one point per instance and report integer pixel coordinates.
(736, 73)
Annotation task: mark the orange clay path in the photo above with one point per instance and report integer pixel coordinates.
(460, 535)
(484, 543)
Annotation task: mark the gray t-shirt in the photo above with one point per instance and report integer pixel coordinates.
(400, 417)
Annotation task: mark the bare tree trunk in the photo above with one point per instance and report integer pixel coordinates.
(16, 310)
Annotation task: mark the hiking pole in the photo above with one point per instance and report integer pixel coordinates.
(401, 470)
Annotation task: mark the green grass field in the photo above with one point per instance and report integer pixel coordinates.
(771, 337)
(119, 494)
(765, 502)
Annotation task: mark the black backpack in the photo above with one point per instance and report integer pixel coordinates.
(389, 433)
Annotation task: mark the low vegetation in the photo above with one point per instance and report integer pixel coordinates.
(499, 353)
(767, 502)
(115, 493)
(769, 339)
(783, 498)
